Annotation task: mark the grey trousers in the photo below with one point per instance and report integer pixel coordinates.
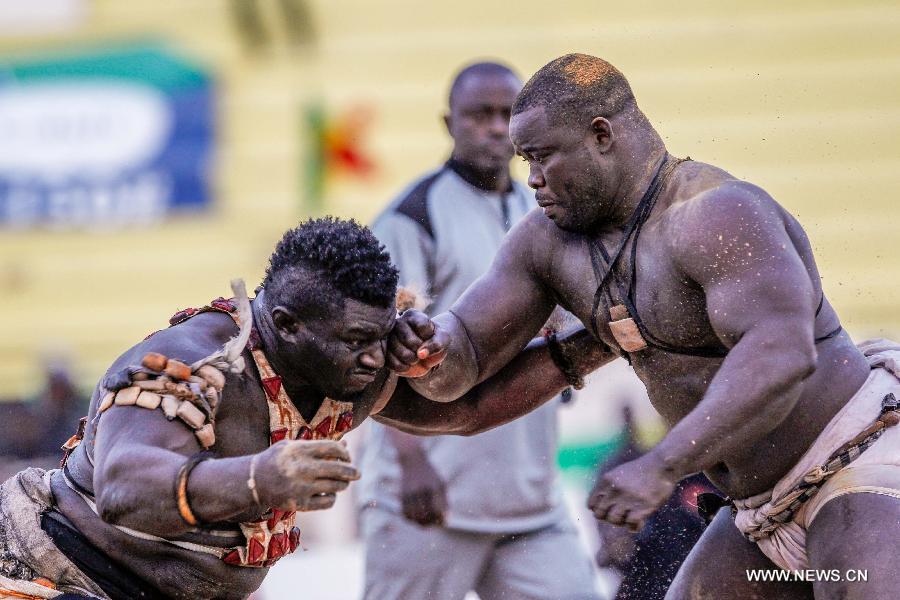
(405, 561)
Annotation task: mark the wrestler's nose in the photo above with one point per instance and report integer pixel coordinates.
(373, 357)
(535, 177)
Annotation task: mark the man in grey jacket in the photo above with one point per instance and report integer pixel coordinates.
(446, 515)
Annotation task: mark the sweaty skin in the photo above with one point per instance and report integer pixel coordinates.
(136, 453)
(719, 262)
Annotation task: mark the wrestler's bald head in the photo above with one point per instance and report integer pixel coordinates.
(576, 88)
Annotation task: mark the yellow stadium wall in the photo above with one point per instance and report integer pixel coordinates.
(802, 98)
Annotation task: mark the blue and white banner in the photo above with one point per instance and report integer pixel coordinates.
(103, 139)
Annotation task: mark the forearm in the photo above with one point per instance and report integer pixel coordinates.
(533, 378)
(756, 387)
(137, 490)
(528, 381)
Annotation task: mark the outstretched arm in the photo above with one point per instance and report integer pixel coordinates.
(494, 319)
(524, 384)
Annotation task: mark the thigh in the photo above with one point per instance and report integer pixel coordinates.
(852, 535)
(405, 561)
(550, 563)
(716, 569)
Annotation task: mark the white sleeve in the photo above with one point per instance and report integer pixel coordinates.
(411, 249)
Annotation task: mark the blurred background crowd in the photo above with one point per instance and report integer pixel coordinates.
(151, 150)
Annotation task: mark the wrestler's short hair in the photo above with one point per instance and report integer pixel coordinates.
(323, 261)
(576, 88)
(484, 69)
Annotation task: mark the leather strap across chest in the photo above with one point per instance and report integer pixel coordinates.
(630, 321)
(626, 324)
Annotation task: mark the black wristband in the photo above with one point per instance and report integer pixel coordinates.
(562, 362)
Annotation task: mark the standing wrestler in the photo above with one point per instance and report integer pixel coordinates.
(491, 501)
(710, 289)
(204, 439)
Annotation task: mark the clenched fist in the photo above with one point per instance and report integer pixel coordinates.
(629, 494)
(416, 344)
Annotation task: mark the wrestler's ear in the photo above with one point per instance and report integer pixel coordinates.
(287, 324)
(603, 133)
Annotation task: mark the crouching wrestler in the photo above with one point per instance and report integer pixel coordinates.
(204, 440)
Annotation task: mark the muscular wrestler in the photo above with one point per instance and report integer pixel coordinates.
(710, 289)
(158, 503)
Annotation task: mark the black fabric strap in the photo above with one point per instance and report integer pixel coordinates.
(563, 363)
(629, 293)
(830, 334)
(640, 213)
(117, 582)
(630, 301)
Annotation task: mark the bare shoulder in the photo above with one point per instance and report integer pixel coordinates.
(534, 227)
(708, 202)
(536, 240)
(188, 341)
(718, 220)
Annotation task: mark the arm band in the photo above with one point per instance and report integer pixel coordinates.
(181, 484)
(562, 362)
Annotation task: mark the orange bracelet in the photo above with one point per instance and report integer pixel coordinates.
(181, 483)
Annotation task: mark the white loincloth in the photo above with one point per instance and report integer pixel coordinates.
(875, 471)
